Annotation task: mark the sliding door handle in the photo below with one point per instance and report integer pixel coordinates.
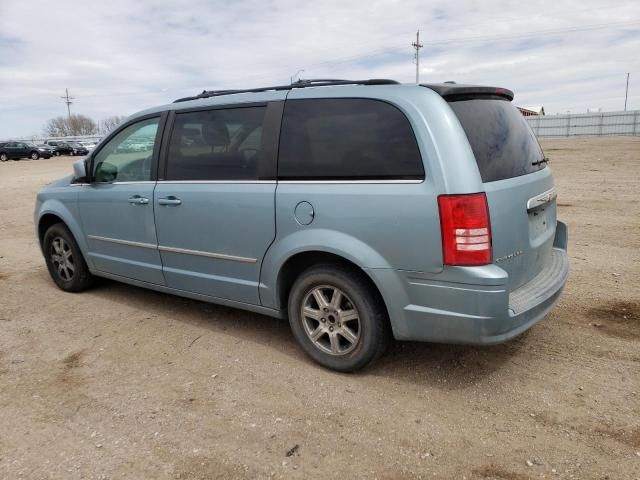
(169, 201)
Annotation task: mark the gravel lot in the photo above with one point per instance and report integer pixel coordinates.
(121, 382)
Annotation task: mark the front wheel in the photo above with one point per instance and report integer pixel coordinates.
(64, 260)
(71, 153)
(35, 155)
(57, 154)
(337, 317)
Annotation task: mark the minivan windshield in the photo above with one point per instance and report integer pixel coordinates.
(501, 140)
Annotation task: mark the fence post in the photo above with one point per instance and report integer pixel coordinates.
(568, 123)
(635, 123)
(601, 122)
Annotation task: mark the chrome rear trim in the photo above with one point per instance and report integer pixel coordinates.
(541, 199)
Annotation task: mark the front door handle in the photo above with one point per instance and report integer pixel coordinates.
(170, 200)
(138, 200)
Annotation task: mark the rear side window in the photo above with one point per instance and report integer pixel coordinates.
(501, 140)
(347, 139)
(216, 144)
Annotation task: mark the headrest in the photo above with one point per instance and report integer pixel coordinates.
(215, 132)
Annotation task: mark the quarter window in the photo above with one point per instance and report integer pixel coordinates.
(347, 139)
(221, 144)
(128, 156)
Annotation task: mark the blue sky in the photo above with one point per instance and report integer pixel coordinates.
(122, 56)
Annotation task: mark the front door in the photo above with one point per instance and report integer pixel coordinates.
(16, 150)
(214, 202)
(117, 207)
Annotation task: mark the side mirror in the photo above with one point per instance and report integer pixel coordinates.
(80, 172)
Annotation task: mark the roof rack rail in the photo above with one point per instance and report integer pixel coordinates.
(314, 82)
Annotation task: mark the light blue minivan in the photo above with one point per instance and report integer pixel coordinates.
(357, 209)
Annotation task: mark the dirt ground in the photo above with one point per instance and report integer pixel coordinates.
(121, 382)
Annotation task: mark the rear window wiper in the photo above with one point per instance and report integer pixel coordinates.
(540, 162)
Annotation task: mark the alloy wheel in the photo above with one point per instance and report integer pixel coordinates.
(330, 320)
(62, 259)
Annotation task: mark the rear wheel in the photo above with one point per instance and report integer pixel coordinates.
(337, 318)
(57, 154)
(4, 157)
(64, 259)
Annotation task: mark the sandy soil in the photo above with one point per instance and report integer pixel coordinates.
(120, 382)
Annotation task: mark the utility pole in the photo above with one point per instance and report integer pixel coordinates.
(67, 99)
(626, 93)
(417, 45)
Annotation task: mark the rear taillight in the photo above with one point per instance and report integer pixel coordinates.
(466, 233)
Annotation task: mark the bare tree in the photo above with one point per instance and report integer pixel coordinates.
(68, 126)
(57, 127)
(108, 124)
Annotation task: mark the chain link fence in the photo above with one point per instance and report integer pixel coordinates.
(586, 124)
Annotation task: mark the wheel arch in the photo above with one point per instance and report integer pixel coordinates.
(45, 222)
(297, 263)
(54, 212)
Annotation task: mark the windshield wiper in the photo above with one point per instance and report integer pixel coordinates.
(540, 162)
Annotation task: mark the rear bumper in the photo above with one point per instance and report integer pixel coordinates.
(473, 305)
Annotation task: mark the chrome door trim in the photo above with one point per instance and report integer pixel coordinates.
(541, 199)
(183, 251)
(141, 182)
(200, 253)
(213, 182)
(123, 242)
(324, 182)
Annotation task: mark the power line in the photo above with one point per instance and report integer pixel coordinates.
(475, 39)
(417, 45)
(67, 99)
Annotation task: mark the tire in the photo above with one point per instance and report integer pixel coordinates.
(35, 155)
(342, 342)
(64, 260)
(57, 154)
(71, 153)
(4, 157)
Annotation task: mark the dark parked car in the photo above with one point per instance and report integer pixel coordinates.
(78, 149)
(18, 150)
(48, 148)
(67, 148)
(59, 147)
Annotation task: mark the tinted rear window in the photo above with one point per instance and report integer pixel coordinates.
(348, 139)
(501, 140)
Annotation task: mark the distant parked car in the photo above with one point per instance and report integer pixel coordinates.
(89, 145)
(48, 148)
(78, 148)
(67, 148)
(59, 147)
(18, 150)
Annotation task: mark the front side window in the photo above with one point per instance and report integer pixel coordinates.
(347, 139)
(221, 144)
(128, 156)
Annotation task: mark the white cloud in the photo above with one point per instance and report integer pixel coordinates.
(118, 57)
